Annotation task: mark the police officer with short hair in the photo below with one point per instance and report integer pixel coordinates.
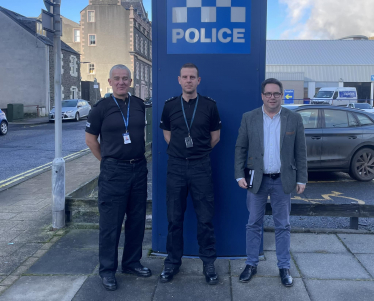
(191, 127)
(119, 120)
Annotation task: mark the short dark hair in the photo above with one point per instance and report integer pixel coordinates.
(190, 65)
(271, 81)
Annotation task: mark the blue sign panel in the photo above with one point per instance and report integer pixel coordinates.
(372, 78)
(289, 96)
(208, 26)
(347, 94)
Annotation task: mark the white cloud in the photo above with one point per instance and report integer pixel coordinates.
(328, 19)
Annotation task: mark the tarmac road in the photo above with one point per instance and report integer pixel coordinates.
(333, 188)
(28, 147)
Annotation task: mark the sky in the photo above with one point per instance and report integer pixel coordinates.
(286, 19)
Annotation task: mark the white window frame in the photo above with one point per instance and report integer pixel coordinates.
(89, 42)
(79, 35)
(94, 16)
(89, 68)
(137, 70)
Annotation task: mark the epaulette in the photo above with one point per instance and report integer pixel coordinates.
(172, 98)
(98, 102)
(207, 97)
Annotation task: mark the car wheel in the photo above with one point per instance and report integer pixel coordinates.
(3, 128)
(362, 165)
(77, 117)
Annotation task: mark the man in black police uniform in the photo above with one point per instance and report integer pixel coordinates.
(119, 120)
(191, 127)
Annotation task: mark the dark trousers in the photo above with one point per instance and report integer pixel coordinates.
(122, 190)
(194, 176)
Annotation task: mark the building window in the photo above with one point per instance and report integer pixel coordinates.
(137, 42)
(142, 72)
(145, 48)
(141, 46)
(150, 74)
(91, 16)
(39, 29)
(73, 66)
(137, 70)
(150, 51)
(74, 92)
(146, 73)
(77, 35)
(91, 69)
(91, 40)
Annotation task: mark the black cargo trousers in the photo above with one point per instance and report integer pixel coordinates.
(122, 190)
(194, 176)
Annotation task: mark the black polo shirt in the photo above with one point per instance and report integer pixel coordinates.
(105, 120)
(206, 120)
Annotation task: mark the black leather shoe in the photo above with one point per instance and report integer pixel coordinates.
(286, 277)
(247, 274)
(210, 274)
(168, 274)
(139, 271)
(109, 282)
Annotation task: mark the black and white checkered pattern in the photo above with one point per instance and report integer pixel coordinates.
(209, 13)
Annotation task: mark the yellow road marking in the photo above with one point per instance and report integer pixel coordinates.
(36, 170)
(327, 197)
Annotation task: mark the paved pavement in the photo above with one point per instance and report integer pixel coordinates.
(25, 121)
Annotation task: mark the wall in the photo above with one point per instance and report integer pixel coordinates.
(23, 66)
(68, 27)
(297, 86)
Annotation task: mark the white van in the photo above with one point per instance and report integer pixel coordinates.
(336, 96)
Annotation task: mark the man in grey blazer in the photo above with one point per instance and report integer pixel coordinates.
(271, 141)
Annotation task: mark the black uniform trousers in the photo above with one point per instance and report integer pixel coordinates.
(122, 190)
(194, 176)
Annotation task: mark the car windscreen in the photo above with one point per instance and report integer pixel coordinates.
(363, 106)
(324, 94)
(69, 103)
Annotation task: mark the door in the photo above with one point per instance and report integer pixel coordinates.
(341, 135)
(313, 136)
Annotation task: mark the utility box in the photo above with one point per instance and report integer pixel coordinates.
(14, 111)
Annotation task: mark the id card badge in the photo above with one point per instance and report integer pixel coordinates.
(126, 138)
(189, 142)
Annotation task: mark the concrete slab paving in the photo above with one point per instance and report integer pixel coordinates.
(264, 288)
(41, 288)
(194, 267)
(129, 288)
(367, 260)
(7, 248)
(79, 238)
(330, 266)
(359, 243)
(338, 290)
(32, 236)
(319, 243)
(193, 288)
(267, 267)
(66, 261)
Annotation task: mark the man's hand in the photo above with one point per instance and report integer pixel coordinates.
(243, 184)
(300, 188)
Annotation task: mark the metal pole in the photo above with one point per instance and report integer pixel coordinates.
(58, 165)
(371, 93)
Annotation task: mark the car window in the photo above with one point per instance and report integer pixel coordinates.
(364, 120)
(336, 119)
(310, 118)
(335, 95)
(352, 121)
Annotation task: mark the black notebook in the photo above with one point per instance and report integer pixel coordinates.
(249, 175)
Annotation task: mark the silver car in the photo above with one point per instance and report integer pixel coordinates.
(73, 109)
(338, 139)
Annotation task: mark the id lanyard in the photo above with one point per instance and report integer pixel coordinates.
(128, 112)
(193, 116)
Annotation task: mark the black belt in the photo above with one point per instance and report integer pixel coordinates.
(272, 175)
(125, 161)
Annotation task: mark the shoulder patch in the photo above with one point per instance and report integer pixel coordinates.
(207, 97)
(172, 98)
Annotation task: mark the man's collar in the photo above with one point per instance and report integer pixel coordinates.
(264, 113)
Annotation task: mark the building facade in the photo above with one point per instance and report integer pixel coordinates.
(27, 64)
(117, 32)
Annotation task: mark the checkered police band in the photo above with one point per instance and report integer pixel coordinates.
(209, 13)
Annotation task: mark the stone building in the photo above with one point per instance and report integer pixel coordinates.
(27, 64)
(117, 32)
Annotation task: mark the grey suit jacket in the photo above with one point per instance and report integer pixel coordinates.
(250, 148)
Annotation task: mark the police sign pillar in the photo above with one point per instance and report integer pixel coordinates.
(226, 39)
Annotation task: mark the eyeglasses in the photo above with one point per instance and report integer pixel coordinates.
(275, 94)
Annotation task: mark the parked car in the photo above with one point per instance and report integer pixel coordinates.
(336, 96)
(362, 106)
(3, 123)
(73, 109)
(338, 139)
